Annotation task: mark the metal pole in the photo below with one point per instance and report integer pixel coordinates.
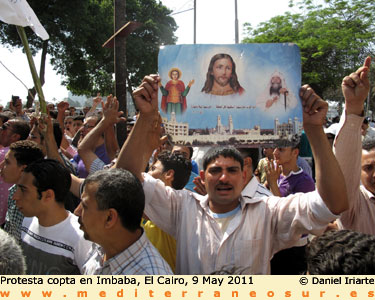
(195, 21)
(235, 22)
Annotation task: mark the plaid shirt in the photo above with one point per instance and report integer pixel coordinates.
(13, 218)
(141, 258)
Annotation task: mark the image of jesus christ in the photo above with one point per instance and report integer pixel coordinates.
(221, 78)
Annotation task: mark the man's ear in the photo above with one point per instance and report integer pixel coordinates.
(169, 175)
(48, 195)
(296, 152)
(248, 162)
(112, 218)
(202, 175)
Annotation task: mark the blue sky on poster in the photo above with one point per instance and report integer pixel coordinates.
(255, 64)
(215, 25)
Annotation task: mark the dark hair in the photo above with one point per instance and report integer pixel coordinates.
(20, 127)
(79, 118)
(336, 119)
(253, 153)
(50, 174)
(342, 252)
(191, 151)
(235, 85)
(53, 114)
(4, 117)
(179, 164)
(57, 133)
(368, 144)
(26, 152)
(215, 152)
(297, 146)
(121, 190)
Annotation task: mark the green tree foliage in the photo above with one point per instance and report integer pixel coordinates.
(77, 32)
(334, 38)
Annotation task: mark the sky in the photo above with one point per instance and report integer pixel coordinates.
(215, 25)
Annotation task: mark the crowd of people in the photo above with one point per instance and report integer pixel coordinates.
(72, 201)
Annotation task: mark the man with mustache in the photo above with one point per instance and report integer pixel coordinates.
(224, 228)
(110, 215)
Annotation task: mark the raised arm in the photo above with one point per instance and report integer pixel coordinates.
(76, 185)
(61, 108)
(273, 173)
(347, 146)
(95, 102)
(329, 178)
(110, 140)
(111, 116)
(144, 137)
(46, 128)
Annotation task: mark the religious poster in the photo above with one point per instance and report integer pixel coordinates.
(244, 95)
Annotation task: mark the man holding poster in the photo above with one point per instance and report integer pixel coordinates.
(223, 228)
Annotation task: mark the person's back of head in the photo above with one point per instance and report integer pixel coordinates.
(121, 190)
(253, 153)
(78, 118)
(57, 133)
(215, 152)
(179, 164)
(342, 252)
(12, 261)
(53, 114)
(21, 127)
(26, 152)
(50, 174)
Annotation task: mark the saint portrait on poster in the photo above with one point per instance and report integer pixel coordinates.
(243, 94)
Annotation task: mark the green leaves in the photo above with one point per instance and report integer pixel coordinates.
(77, 31)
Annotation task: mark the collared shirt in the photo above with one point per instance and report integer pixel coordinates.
(141, 258)
(264, 226)
(254, 189)
(14, 218)
(295, 182)
(348, 150)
